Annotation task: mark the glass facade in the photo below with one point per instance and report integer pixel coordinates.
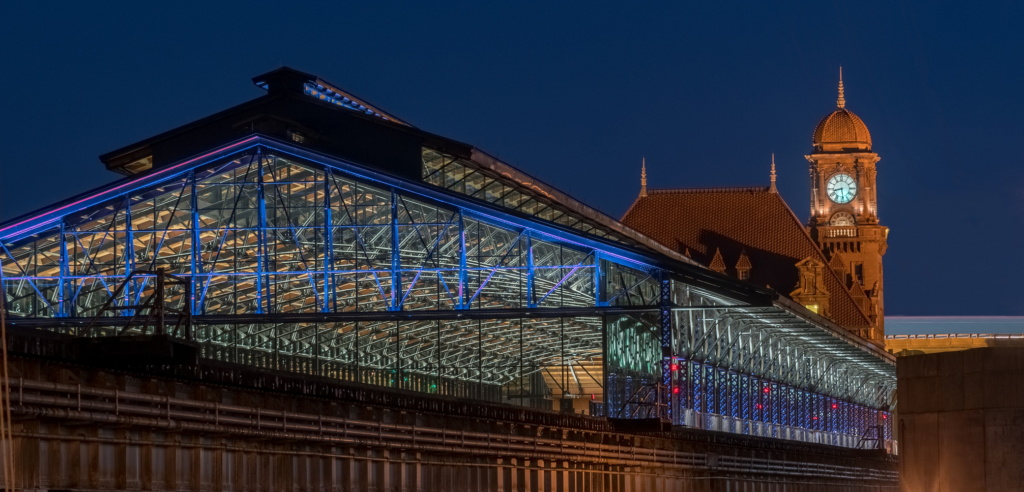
(464, 177)
(263, 235)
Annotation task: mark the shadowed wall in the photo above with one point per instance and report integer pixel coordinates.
(961, 420)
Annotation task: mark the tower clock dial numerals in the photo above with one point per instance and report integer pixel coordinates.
(841, 188)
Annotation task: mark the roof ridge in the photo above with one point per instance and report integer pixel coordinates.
(630, 209)
(731, 189)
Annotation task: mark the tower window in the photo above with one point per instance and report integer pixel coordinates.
(744, 274)
(858, 271)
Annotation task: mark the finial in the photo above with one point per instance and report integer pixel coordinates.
(772, 187)
(643, 177)
(842, 100)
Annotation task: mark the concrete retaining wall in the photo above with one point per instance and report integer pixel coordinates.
(961, 421)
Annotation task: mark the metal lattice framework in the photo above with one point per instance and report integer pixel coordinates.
(296, 261)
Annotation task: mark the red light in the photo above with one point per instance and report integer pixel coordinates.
(591, 396)
(834, 406)
(675, 367)
(758, 405)
(766, 389)
(675, 390)
(815, 417)
(885, 417)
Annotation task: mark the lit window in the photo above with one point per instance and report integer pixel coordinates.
(813, 308)
(744, 274)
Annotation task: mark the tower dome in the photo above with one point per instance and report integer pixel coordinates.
(841, 130)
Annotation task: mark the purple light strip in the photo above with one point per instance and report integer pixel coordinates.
(130, 183)
(306, 272)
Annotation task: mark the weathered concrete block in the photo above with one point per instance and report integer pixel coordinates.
(961, 420)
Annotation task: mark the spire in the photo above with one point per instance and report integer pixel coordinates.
(772, 187)
(643, 177)
(841, 102)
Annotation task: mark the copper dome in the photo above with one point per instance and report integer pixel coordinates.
(842, 130)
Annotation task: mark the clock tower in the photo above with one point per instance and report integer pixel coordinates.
(844, 207)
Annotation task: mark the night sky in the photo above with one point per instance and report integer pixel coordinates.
(576, 94)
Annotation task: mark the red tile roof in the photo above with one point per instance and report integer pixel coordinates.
(717, 264)
(735, 221)
(744, 262)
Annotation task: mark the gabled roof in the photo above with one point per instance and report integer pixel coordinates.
(322, 90)
(717, 263)
(310, 112)
(857, 292)
(290, 111)
(837, 263)
(736, 220)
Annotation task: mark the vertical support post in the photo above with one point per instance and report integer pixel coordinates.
(598, 284)
(188, 313)
(398, 355)
(262, 256)
(159, 302)
(329, 294)
(62, 272)
(194, 206)
(396, 257)
(480, 359)
(129, 253)
(665, 310)
(462, 263)
(529, 271)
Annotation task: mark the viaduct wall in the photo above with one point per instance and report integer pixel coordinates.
(225, 428)
(961, 420)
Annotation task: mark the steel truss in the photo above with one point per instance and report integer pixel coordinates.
(298, 262)
(765, 364)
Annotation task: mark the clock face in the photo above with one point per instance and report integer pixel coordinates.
(842, 219)
(841, 188)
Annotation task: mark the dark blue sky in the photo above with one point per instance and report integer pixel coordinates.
(576, 94)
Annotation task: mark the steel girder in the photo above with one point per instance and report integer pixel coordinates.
(772, 344)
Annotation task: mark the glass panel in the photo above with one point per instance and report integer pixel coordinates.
(467, 178)
(429, 245)
(625, 286)
(633, 348)
(495, 360)
(496, 266)
(562, 276)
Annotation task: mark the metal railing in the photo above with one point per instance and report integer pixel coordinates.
(940, 336)
(841, 232)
